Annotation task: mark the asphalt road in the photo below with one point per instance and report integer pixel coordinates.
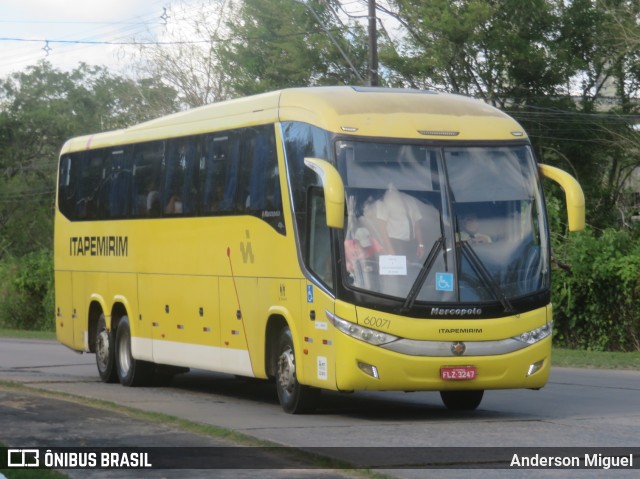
(595, 409)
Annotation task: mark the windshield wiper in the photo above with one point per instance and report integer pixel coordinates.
(485, 276)
(422, 275)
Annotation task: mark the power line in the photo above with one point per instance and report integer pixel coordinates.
(101, 42)
(114, 31)
(62, 22)
(333, 40)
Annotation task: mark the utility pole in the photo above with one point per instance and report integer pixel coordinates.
(334, 41)
(373, 45)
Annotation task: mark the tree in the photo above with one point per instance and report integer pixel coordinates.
(39, 109)
(290, 43)
(185, 53)
(503, 52)
(567, 70)
(601, 40)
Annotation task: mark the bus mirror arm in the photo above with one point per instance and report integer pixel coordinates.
(573, 193)
(333, 190)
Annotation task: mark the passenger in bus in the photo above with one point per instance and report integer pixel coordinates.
(153, 203)
(470, 230)
(174, 206)
(400, 225)
(360, 249)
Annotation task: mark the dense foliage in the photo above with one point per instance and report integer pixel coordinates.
(39, 109)
(597, 301)
(26, 291)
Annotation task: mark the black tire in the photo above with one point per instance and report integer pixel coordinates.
(105, 352)
(131, 372)
(294, 397)
(461, 400)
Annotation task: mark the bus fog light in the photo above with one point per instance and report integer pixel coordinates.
(369, 369)
(535, 367)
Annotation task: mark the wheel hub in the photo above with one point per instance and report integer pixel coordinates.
(102, 349)
(287, 370)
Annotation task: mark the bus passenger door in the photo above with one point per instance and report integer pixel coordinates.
(318, 350)
(319, 365)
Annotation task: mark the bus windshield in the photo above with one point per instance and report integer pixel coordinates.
(443, 223)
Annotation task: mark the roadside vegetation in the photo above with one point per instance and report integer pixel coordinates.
(570, 74)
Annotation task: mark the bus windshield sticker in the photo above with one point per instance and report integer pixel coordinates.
(444, 282)
(393, 265)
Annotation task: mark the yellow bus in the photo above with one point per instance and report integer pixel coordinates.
(336, 238)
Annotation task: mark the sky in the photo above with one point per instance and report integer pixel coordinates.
(67, 32)
(71, 27)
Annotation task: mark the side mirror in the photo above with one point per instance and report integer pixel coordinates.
(573, 193)
(333, 190)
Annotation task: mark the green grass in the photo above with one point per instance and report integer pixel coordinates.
(561, 357)
(22, 334)
(595, 359)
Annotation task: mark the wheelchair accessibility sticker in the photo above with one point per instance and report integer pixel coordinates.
(309, 293)
(444, 281)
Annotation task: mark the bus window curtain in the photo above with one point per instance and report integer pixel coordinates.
(170, 162)
(231, 178)
(120, 193)
(259, 166)
(188, 186)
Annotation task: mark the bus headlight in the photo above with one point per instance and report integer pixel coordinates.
(356, 331)
(535, 335)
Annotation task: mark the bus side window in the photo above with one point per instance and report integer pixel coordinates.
(91, 181)
(264, 183)
(67, 184)
(120, 190)
(147, 165)
(247, 157)
(179, 194)
(212, 169)
(190, 185)
(232, 166)
(174, 161)
(103, 188)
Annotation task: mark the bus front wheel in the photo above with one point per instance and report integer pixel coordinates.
(131, 372)
(461, 400)
(105, 356)
(294, 397)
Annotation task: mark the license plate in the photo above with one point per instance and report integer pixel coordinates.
(458, 373)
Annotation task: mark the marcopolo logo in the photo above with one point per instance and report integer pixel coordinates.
(23, 458)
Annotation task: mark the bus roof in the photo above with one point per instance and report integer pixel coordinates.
(381, 112)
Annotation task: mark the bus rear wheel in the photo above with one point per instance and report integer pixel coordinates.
(105, 355)
(294, 397)
(131, 372)
(461, 400)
